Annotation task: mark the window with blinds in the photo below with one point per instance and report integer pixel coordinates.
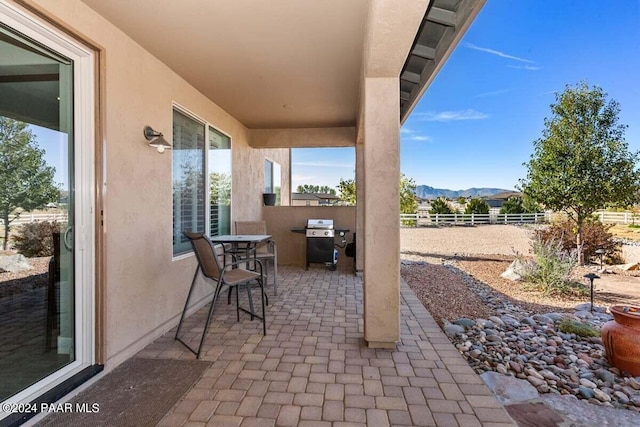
(201, 180)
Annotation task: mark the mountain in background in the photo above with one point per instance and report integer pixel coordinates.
(426, 192)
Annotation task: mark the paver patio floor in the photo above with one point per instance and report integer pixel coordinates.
(313, 367)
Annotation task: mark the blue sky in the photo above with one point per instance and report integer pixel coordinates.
(476, 124)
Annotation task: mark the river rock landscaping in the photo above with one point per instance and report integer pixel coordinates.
(498, 326)
(533, 346)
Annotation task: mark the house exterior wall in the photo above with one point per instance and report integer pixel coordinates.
(145, 288)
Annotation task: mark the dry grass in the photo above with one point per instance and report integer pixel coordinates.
(625, 232)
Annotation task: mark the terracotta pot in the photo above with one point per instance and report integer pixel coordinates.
(621, 338)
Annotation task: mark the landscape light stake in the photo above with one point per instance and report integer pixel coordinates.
(591, 276)
(600, 252)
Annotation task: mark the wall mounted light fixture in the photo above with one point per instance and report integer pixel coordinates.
(157, 139)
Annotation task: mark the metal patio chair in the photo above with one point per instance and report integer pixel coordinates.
(267, 252)
(228, 275)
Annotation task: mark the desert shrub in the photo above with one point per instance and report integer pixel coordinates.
(476, 206)
(581, 329)
(595, 235)
(35, 239)
(550, 272)
(408, 223)
(441, 206)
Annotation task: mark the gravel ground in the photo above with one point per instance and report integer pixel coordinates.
(436, 242)
(15, 283)
(482, 252)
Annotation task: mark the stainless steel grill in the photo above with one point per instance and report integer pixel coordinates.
(320, 228)
(320, 245)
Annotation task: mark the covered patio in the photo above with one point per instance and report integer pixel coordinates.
(314, 367)
(253, 80)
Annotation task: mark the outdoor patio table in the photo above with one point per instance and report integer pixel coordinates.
(250, 242)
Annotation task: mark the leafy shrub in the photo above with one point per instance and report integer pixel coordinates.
(551, 270)
(581, 329)
(595, 235)
(441, 206)
(476, 206)
(35, 239)
(513, 205)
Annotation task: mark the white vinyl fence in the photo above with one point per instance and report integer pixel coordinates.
(418, 219)
(618, 217)
(27, 217)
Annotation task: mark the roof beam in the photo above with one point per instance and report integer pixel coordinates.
(405, 96)
(423, 51)
(442, 16)
(410, 77)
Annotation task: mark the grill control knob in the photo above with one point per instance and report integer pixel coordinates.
(326, 233)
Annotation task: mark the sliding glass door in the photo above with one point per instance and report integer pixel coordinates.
(45, 282)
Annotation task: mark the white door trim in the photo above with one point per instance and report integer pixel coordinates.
(84, 191)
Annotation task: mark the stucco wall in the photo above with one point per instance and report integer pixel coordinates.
(315, 137)
(145, 288)
(291, 246)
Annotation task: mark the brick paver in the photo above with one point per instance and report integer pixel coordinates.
(314, 368)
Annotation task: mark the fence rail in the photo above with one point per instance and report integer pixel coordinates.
(419, 219)
(618, 217)
(26, 218)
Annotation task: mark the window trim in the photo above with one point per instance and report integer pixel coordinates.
(273, 163)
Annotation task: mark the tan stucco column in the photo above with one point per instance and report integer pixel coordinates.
(359, 205)
(381, 161)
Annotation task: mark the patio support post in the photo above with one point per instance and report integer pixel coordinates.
(381, 163)
(359, 206)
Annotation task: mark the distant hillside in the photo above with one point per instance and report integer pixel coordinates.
(426, 192)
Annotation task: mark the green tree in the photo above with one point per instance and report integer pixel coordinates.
(347, 189)
(440, 206)
(476, 206)
(530, 206)
(408, 200)
(309, 188)
(26, 182)
(462, 200)
(582, 161)
(513, 205)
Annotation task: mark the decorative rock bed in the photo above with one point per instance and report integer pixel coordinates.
(532, 347)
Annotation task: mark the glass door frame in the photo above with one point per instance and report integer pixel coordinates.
(84, 225)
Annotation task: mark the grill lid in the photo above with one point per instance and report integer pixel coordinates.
(323, 224)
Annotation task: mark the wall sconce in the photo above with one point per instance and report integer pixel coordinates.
(157, 139)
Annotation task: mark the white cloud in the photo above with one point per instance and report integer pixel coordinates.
(297, 178)
(447, 116)
(526, 67)
(493, 93)
(324, 164)
(496, 52)
(406, 131)
(420, 138)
